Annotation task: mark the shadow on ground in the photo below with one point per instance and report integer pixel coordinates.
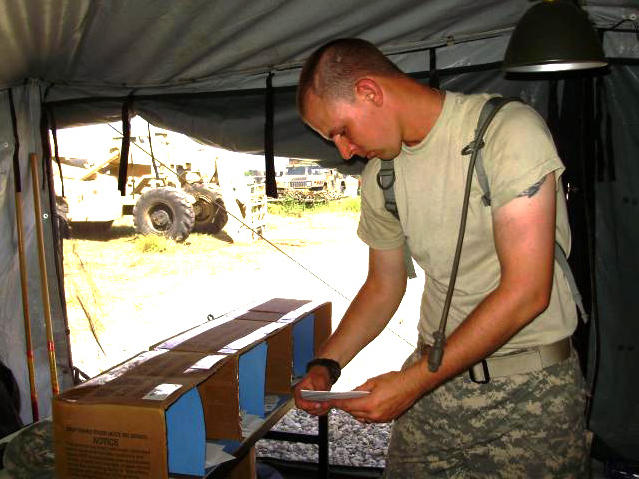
(100, 232)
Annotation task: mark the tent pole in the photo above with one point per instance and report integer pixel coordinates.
(33, 159)
(17, 179)
(25, 301)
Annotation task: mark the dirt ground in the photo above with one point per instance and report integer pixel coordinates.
(130, 300)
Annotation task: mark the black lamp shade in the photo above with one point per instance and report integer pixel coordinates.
(554, 35)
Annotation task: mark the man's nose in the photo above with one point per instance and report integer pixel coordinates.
(344, 147)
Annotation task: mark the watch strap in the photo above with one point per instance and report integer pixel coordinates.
(333, 367)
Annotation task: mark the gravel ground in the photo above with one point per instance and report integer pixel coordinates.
(350, 442)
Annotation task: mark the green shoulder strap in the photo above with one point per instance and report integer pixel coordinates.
(560, 256)
(386, 181)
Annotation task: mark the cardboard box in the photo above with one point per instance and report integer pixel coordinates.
(157, 413)
(293, 311)
(142, 419)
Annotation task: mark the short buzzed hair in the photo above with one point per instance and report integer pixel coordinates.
(332, 71)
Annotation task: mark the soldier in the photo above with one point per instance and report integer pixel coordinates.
(512, 311)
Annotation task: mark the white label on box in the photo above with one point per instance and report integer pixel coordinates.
(206, 363)
(161, 392)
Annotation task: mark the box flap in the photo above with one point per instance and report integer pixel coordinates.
(280, 305)
(261, 316)
(151, 379)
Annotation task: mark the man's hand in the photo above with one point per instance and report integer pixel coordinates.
(317, 379)
(391, 394)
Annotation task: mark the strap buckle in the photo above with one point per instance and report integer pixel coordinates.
(484, 370)
(386, 178)
(470, 147)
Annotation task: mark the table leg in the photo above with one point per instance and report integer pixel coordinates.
(245, 469)
(322, 432)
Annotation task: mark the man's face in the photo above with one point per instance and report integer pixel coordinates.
(357, 128)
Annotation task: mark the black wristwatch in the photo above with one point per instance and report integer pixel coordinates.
(334, 369)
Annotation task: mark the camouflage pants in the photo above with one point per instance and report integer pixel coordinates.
(522, 426)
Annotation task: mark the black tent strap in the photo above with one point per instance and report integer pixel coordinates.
(16, 142)
(153, 162)
(126, 141)
(434, 74)
(48, 112)
(269, 141)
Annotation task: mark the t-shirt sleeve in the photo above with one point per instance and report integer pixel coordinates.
(378, 228)
(519, 152)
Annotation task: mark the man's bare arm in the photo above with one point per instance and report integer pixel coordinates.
(524, 231)
(366, 317)
(372, 308)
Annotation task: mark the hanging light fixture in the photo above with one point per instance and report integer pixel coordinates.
(553, 35)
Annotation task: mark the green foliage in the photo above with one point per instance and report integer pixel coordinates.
(154, 244)
(345, 205)
(291, 207)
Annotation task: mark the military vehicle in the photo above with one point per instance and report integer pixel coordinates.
(171, 196)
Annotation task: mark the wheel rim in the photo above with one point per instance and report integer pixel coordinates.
(161, 217)
(204, 209)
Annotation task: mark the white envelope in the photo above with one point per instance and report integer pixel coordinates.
(328, 395)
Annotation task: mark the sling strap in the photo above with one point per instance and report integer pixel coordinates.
(386, 181)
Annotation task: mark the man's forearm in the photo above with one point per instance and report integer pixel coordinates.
(492, 323)
(366, 317)
(372, 308)
(524, 231)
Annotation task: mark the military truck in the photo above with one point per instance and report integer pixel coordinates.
(169, 197)
(306, 175)
(305, 180)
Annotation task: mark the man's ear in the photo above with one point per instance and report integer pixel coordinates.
(369, 90)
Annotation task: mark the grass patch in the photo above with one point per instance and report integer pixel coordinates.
(297, 209)
(154, 244)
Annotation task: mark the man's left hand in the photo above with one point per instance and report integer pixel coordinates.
(391, 395)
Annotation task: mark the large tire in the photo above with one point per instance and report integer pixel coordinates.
(210, 212)
(164, 212)
(62, 223)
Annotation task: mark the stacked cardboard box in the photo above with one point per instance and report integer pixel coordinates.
(159, 412)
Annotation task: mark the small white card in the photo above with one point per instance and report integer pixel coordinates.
(162, 391)
(328, 395)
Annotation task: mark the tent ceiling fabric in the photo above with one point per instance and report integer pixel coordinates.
(88, 48)
(85, 49)
(209, 45)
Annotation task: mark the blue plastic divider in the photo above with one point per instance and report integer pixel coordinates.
(252, 376)
(303, 344)
(186, 436)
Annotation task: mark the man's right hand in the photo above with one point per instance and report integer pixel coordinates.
(317, 379)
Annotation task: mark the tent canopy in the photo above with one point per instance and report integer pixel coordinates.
(200, 67)
(149, 49)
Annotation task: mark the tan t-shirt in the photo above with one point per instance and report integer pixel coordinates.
(429, 189)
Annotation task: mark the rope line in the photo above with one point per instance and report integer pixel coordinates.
(258, 233)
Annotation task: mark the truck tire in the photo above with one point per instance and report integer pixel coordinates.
(210, 212)
(62, 223)
(164, 212)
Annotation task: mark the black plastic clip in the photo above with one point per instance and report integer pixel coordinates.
(484, 367)
(470, 147)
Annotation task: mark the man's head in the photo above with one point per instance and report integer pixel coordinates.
(340, 92)
(332, 71)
